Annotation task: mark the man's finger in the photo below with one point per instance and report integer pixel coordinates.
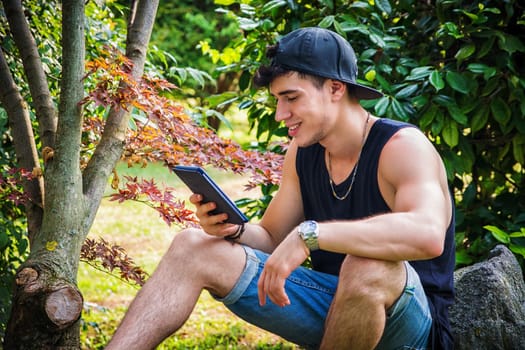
(260, 289)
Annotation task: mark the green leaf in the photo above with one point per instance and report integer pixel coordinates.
(4, 240)
(486, 47)
(216, 100)
(377, 40)
(518, 234)
(490, 86)
(503, 151)
(406, 91)
(452, 30)
(511, 44)
(399, 111)
(244, 80)
(462, 258)
(517, 249)
(500, 111)
(518, 148)
(268, 25)
(498, 234)
(480, 118)
(457, 82)
(450, 133)
(470, 15)
(420, 73)
(246, 104)
(437, 124)
(465, 52)
(381, 106)
(270, 5)
(224, 2)
(457, 114)
(436, 80)
(428, 117)
(339, 29)
(248, 24)
(326, 22)
(480, 68)
(419, 101)
(383, 82)
(443, 100)
(384, 5)
(23, 244)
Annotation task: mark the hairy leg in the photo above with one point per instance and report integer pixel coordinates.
(194, 261)
(366, 289)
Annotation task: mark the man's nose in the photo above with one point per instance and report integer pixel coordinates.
(281, 112)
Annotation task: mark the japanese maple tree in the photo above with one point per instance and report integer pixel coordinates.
(65, 162)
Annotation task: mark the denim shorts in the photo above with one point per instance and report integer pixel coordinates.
(311, 292)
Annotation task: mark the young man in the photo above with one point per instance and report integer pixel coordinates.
(366, 198)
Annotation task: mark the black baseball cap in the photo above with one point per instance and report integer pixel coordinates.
(324, 53)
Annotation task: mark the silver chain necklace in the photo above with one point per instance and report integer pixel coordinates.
(354, 172)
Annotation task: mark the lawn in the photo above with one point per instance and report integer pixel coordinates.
(145, 237)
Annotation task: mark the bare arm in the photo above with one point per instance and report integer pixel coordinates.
(413, 182)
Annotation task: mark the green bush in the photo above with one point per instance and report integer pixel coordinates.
(454, 68)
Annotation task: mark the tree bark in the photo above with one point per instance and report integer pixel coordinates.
(47, 304)
(43, 103)
(24, 144)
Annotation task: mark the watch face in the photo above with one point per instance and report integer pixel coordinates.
(309, 230)
(308, 226)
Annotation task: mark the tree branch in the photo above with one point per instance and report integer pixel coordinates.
(71, 87)
(35, 75)
(25, 148)
(110, 148)
(63, 178)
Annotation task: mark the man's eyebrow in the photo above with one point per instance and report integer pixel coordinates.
(284, 92)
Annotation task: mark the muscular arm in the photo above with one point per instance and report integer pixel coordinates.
(413, 183)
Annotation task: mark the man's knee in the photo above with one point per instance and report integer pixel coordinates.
(189, 242)
(188, 236)
(371, 279)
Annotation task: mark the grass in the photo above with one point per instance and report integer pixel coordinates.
(145, 237)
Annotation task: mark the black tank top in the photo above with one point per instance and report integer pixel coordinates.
(366, 200)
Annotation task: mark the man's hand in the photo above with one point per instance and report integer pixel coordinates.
(212, 224)
(289, 255)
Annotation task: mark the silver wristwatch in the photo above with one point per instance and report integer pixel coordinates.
(309, 232)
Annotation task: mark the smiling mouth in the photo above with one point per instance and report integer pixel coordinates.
(293, 127)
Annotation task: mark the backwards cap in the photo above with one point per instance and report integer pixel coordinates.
(324, 53)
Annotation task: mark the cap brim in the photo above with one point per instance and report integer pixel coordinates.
(362, 92)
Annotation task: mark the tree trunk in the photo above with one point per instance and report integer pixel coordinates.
(47, 304)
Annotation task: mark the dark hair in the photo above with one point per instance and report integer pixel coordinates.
(268, 73)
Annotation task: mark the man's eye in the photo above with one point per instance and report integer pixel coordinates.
(291, 98)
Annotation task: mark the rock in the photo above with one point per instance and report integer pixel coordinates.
(489, 312)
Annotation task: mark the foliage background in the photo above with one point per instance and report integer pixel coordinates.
(453, 68)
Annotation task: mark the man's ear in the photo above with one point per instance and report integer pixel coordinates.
(337, 89)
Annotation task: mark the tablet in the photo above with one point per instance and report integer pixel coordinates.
(199, 182)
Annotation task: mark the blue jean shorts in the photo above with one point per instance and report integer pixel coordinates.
(311, 292)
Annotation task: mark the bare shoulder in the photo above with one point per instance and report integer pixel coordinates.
(410, 161)
(410, 153)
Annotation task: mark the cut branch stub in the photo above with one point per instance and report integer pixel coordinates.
(63, 306)
(49, 305)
